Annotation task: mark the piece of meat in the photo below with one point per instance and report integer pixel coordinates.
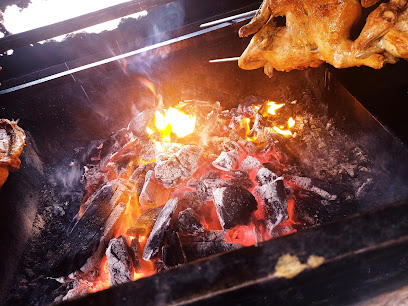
(316, 31)
(12, 142)
(385, 31)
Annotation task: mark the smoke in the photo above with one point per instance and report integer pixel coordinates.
(68, 176)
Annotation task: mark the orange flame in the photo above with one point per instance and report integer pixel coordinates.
(285, 133)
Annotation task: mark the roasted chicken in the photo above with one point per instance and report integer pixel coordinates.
(12, 142)
(318, 31)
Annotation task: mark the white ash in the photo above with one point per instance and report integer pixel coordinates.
(306, 183)
(119, 261)
(153, 193)
(179, 167)
(265, 176)
(250, 163)
(227, 161)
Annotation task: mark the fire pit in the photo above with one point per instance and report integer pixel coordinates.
(266, 158)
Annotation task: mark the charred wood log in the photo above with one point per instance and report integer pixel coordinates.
(205, 244)
(119, 261)
(234, 205)
(188, 222)
(84, 237)
(172, 253)
(136, 254)
(160, 227)
(144, 224)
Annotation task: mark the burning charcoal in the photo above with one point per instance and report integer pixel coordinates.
(190, 200)
(119, 261)
(234, 206)
(173, 254)
(178, 167)
(80, 289)
(144, 224)
(168, 172)
(188, 157)
(153, 193)
(205, 244)
(211, 175)
(257, 125)
(188, 222)
(273, 195)
(227, 160)
(136, 254)
(139, 123)
(160, 227)
(250, 163)
(265, 176)
(138, 176)
(239, 175)
(248, 146)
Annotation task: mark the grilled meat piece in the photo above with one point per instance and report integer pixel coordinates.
(12, 142)
(318, 31)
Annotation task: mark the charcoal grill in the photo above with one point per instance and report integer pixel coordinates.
(364, 246)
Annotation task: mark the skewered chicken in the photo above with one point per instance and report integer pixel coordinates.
(318, 31)
(12, 142)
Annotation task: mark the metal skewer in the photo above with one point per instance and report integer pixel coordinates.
(247, 14)
(222, 60)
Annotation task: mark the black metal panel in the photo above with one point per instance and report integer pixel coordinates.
(364, 255)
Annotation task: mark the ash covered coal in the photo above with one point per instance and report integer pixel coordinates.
(234, 205)
(178, 167)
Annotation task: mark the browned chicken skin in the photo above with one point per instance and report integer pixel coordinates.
(318, 31)
(12, 142)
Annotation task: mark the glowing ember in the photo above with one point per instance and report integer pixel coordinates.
(174, 121)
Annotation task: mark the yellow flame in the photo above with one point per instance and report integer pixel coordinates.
(272, 107)
(285, 133)
(291, 122)
(174, 121)
(245, 124)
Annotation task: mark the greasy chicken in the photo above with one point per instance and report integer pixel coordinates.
(12, 142)
(318, 31)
